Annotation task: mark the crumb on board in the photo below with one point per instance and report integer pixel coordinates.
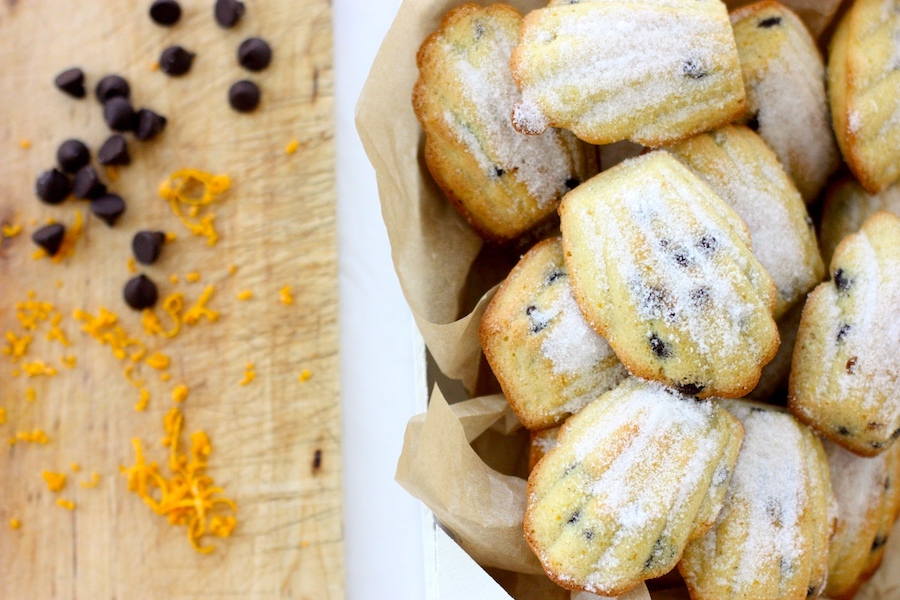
(24, 143)
(192, 277)
(304, 376)
(15, 523)
(292, 147)
(244, 295)
(285, 296)
(55, 481)
(180, 393)
(66, 504)
(249, 374)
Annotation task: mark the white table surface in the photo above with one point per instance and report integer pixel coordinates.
(382, 523)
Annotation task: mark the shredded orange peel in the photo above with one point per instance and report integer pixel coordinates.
(187, 497)
(172, 305)
(10, 231)
(177, 190)
(199, 309)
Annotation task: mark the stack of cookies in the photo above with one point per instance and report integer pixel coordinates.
(703, 394)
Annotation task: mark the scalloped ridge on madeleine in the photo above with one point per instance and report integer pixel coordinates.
(662, 269)
(633, 476)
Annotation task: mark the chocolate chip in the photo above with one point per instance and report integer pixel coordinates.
(589, 534)
(851, 365)
(756, 409)
(879, 541)
(812, 591)
(773, 510)
(787, 567)
(149, 124)
(176, 61)
(536, 324)
(72, 155)
(147, 245)
(317, 461)
(841, 280)
(49, 237)
(878, 445)
(708, 244)
(71, 82)
(659, 347)
(682, 258)
(52, 186)
(243, 96)
(690, 389)
(498, 172)
(553, 276)
(574, 518)
(896, 434)
(753, 122)
(87, 185)
(140, 292)
(109, 208)
(843, 331)
(770, 22)
(572, 183)
(479, 30)
(165, 12)
(843, 430)
(254, 54)
(114, 151)
(112, 86)
(228, 12)
(119, 114)
(700, 296)
(662, 553)
(692, 68)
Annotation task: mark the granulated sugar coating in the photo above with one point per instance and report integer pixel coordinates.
(662, 268)
(634, 476)
(651, 71)
(769, 541)
(505, 181)
(549, 362)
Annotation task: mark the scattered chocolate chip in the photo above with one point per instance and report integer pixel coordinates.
(536, 324)
(879, 542)
(690, 389)
(574, 518)
(851, 365)
(708, 243)
(878, 445)
(243, 96)
(52, 186)
(72, 155)
(553, 276)
(756, 409)
(662, 553)
(109, 208)
(119, 114)
(843, 331)
(588, 534)
(317, 461)
(149, 124)
(176, 61)
(71, 81)
(753, 121)
(165, 12)
(479, 30)
(140, 292)
(682, 259)
(659, 347)
(87, 184)
(114, 151)
(112, 86)
(498, 172)
(228, 12)
(774, 510)
(572, 183)
(787, 567)
(49, 237)
(770, 22)
(812, 591)
(841, 280)
(147, 245)
(896, 434)
(843, 430)
(254, 54)
(700, 296)
(692, 68)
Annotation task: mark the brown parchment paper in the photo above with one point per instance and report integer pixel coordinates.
(448, 277)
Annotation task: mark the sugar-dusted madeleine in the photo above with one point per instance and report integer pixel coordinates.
(634, 476)
(786, 103)
(743, 171)
(847, 356)
(649, 71)
(504, 183)
(847, 206)
(864, 88)
(663, 269)
(548, 360)
(770, 540)
(867, 493)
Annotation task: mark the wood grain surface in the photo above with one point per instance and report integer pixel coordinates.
(277, 226)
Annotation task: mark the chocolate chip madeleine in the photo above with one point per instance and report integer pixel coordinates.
(847, 206)
(662, 269)
(549, 362)
(867, 492)
(786, 103)
(504, 183)
(864, 87)
(847, 357)
(649, 71)
(743, 171)
(770, 540)
(634, 476)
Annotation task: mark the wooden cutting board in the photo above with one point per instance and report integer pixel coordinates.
(277, 227)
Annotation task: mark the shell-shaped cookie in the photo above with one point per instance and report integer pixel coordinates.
(549, 361)
(662, 269)
(541, 442)
(785, 81)
(633, 477)
(743, 171)
(867, 491)
(504, 183)
(649, 71)
(847, 206)
(847, 357)
(770, 541)
(864, 88)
